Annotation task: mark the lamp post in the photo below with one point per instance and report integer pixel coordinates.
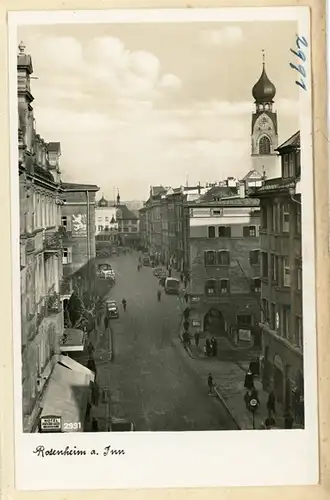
(253, 403)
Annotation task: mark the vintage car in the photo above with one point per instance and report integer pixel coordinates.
(112, 309)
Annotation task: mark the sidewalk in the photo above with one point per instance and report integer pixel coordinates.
(229, 379)
(102, 356)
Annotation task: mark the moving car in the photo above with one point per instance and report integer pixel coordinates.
(146, 261)
(172, 286)
(121, 425)
(112, 309)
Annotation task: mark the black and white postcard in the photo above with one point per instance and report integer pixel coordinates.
(163, 248)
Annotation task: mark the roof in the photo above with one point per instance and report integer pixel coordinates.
(274, 186)
(156, 190)
(72, 186)
(264, 90)
(252, 174)
(293, 142)
(126, 213)
(54, 147)
(234, 201)
(218, 192)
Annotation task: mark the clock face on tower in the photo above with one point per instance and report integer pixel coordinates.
(264, 122)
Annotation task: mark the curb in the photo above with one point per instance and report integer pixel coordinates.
(219, 396)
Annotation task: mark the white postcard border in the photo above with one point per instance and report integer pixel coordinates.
(166, 459)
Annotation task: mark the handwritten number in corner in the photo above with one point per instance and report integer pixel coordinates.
(301, 43)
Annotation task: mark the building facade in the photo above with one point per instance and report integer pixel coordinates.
(79, 249)
(128, 226)
(281, 280)
(40, 250)
(224, 288)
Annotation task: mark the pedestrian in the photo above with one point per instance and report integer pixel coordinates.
(248, 382)
(170, 273)
(247, 397)
(181, 277)
(186, 325)
(210, 383)
(186, 297)
(269, 423)
(186, 313)
(88, 411)
(185, 283)
(271, 404)
(90, 349)
(288, 420)
(95, 425)
(197, 339)
(106, 321)
(91, 365)
(208, 347)
(214, 347)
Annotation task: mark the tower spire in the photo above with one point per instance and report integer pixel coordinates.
(263, 57)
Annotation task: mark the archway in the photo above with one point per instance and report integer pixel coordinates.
(214, 322)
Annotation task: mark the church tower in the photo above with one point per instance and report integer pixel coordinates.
(264, 136)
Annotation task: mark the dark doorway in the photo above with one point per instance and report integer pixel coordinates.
(214, 322)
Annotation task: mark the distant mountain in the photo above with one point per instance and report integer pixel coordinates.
(133, 205)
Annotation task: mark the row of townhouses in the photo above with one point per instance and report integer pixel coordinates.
(239, 243)
(57, 250)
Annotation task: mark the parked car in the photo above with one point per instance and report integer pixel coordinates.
(112, 309)
(172, 286)
(121, 425)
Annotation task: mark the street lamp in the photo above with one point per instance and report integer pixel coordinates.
(253, 403)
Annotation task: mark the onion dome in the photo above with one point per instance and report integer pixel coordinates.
(103, 202)
(264, 90)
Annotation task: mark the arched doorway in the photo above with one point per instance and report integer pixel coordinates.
(278, 379)
(214, 322)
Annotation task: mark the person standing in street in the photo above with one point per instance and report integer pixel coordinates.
(210, 383)
(197, 339)
(95, 425)
(271, 404)
(214, 346)
(106, 321)
(181, 277)
(288, 420)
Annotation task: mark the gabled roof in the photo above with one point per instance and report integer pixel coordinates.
(218, 192)
(126, 213)
(156, 190)
(293, 142)
(252, 174)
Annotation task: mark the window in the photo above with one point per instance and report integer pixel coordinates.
(299, 277)
(264, 311)
(299, 332)
(216, 212)
(275, 218)
(264, 146)
(264, 264)
(256, 285)
(223, 258)
(286, 321)
(298, 219)
(211, 287)
(224, 231)
(285, 218)
(254, 257)
(211, 232)
(286, 272)
(66, 222)
(263, 213)
(274, 264)
(100, 228)
(291, 165)
(99, 219)
(249, 231)
(210, 258)
(125, 229)
(285, 165)
(67, 256)
(224, 286)
(273, 316)
(271, 217)
(244, 319)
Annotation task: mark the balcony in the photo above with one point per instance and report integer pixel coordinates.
(53, 240)
(50, 305)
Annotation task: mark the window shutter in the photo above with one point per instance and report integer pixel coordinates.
(69, 255)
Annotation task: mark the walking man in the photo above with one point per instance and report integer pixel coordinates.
(210, 383)
(197, 339)
(95, 425)
(271, 404)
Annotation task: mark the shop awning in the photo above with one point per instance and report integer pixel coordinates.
(72, 340)
(76, 367)
(67, 394)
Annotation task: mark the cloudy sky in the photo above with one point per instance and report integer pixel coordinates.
(142, 104)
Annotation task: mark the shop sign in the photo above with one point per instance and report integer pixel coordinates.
(244, 335)
(51, 423)
(195, 299)
(196, 322)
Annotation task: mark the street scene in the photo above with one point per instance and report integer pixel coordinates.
(161, 256)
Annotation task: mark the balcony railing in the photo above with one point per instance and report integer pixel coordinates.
(53, 240)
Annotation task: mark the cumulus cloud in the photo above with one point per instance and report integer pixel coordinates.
(228, 35)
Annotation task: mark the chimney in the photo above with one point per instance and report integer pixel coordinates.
(199, 187)
(242, 190)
